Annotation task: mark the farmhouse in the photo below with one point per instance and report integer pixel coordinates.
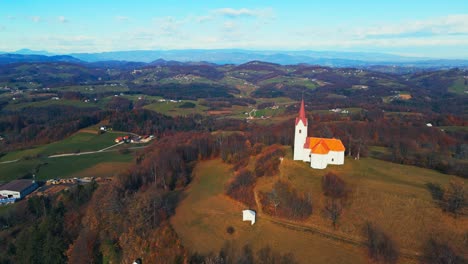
(318, 151)
(18, 189)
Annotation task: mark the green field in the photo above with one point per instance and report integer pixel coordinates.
(64, 167)
(44, 103)
(459, 86)
(284, 80)
(173, 109)
(79, 142)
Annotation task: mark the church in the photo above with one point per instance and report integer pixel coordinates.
(318, 151)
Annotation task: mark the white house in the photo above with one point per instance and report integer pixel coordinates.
(248, 215)
(318, 151)
(18, 189)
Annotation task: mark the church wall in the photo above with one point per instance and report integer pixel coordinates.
(336, 157)
(318, 161)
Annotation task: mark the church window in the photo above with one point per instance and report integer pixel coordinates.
(333, 160)
(300, 131)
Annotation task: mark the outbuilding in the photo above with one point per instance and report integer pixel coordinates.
(248, 215)
(18, 189)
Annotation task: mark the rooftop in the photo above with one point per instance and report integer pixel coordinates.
(16, 185)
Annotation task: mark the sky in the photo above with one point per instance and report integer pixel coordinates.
(437, 29)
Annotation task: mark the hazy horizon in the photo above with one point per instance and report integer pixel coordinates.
(431, 29)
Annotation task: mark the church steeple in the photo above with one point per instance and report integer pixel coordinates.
(302, 116)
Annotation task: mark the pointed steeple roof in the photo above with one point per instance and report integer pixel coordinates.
(302, 116)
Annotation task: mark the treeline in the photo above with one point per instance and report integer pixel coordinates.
(229, 254)
(41, 229)
(41, 125)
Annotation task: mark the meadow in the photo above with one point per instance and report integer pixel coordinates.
(393, 196)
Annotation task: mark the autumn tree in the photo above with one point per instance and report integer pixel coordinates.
(380, 246)
(454, 199)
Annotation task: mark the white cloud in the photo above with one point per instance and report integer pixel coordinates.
(448, 25)
(62, 19)
(244, 12)
(122, 18)
(36, 19)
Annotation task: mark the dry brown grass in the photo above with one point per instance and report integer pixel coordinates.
(105, 169)
(202, 217)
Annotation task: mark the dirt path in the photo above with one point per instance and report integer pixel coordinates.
(9, 161)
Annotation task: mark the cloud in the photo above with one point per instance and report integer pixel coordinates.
(448, 25)
(63, 19)
(202, 19)
(122, 18)
(36, 19)
(244, 12)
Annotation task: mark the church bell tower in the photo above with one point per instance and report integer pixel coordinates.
(300, 134)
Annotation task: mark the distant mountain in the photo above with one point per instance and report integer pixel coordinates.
(14, 58)
(33, 52)
(137, 58)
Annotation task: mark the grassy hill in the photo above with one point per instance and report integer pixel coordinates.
(390, 195)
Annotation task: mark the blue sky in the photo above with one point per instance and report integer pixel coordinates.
(407, 27)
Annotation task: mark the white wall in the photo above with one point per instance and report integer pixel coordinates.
(7, 193)
(300, 136)
(318, 161)
(336, 157)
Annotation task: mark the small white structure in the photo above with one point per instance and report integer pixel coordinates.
(429, 125)
(248, 215)
(18, 189)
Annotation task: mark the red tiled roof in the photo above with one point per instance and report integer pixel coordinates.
(302, 116)
(324, 145)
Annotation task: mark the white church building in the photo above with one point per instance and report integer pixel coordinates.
(318, 151)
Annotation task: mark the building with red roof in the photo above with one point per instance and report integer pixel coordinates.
(318, 151)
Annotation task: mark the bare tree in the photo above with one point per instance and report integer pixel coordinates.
(274, 199)
(454, 197)
(333, 210)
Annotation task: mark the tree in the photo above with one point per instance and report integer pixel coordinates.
(334, 186)
(273, 195)
(454, 197)
(380, 246)
(333, 209)
(439, 253)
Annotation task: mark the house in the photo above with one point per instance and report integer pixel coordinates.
(18, 189)
(248, 215)
(318, 151)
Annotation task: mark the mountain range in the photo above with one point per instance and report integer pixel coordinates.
(235, 56)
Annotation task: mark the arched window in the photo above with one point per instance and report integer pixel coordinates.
(300, 131)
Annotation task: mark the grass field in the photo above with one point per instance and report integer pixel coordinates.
(87, 165)
(202, 217)
(391, 195)
(172, 109)
(284, 80)
(99, 165)
(44, 103)
(459, 86)
(79, 142)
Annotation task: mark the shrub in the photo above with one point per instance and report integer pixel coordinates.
(436, 191)
(380, 247)
(241, 188)
(333, 186)
(285, 201)
(268, 161)
(439, 253)
(454, 197)
(230, 230)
